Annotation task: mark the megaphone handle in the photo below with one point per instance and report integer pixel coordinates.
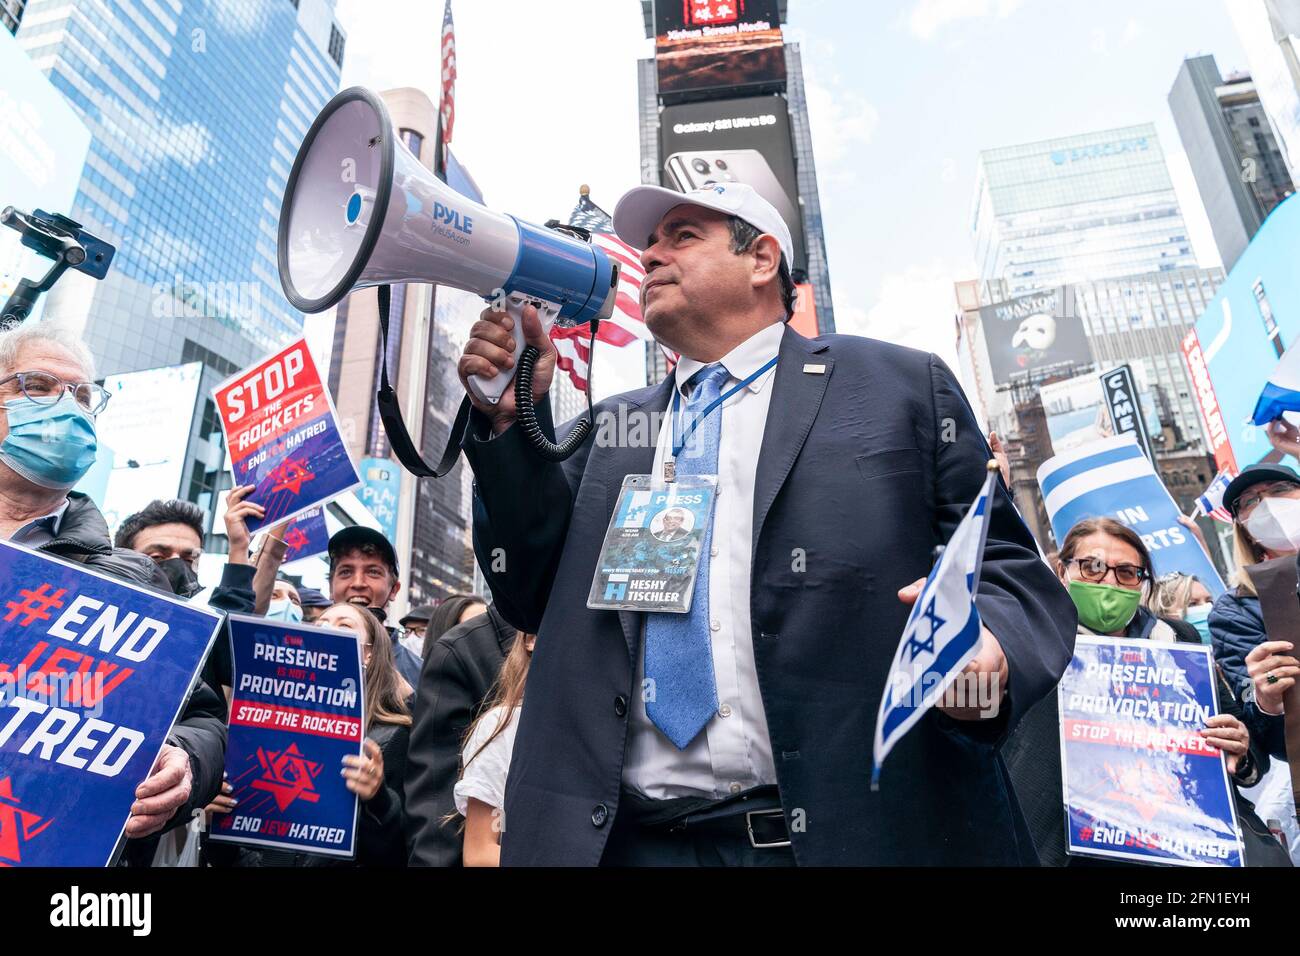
(490, 390)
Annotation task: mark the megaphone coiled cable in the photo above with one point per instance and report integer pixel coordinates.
(526, 412)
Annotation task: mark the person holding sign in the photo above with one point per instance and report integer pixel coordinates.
(726, 670)
(1107, 570)
(48, 404)
(1264, 501)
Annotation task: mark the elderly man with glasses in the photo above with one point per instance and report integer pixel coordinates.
(48, 404)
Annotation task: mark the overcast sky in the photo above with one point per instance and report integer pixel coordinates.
(902, 94)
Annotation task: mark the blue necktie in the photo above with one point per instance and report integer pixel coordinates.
(678, 653)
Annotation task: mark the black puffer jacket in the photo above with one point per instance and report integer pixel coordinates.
(201, 730)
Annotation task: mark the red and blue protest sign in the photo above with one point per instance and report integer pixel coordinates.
(283, 435)
(1141, 783)
(296, 712)
(306, 536)
(93, 674)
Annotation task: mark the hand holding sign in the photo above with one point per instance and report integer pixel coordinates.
(365, 775)
(163, 792)
(1274, 672)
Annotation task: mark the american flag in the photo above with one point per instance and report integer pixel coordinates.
(625, 325)
(447, 116)
(1210, 501)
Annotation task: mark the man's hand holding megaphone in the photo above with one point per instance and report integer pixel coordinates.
(490, 351)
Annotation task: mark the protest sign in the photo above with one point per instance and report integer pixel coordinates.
(296, 712)
(93, 674)
(1112, 478)
(1140, 782)
(283, 435)
(306, 536)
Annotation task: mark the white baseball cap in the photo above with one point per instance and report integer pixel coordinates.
(639, 212)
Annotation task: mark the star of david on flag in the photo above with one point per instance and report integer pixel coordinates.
(942, 632)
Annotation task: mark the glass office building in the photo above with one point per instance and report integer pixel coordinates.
(1239, 169)
(1090, 206)
(196, 111)
(1142, 320)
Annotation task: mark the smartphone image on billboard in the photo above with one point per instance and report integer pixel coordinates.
(692, 170)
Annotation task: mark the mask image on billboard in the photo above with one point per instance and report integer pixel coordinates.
(1039, 335)
(1033, 338)
(691, 170)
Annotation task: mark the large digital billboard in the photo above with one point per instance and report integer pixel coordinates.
(717, 44)
(1236, 344)
(144, 433)
(741, 140)
(1035, 335)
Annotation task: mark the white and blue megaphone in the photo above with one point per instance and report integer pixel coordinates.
(360, 210)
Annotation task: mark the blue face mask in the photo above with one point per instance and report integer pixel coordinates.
(284, 609)
(49, 445)
(1198, 615)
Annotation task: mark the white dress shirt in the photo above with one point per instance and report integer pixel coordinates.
(733, 752)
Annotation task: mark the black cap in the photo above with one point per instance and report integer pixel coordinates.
(1253, 475)
(422, 613)
(358, 536)
(310, 597)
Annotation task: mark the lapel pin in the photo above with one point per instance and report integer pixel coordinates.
(812, 369)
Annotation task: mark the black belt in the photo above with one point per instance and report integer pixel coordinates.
(755, 815)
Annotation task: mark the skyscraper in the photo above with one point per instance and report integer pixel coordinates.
(11, 14)
(1239, 169)
(196, 111)
(713, 108)
(1090, 206)
(1269, 31)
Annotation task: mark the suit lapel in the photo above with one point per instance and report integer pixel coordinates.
(796, 398)
(623, 460)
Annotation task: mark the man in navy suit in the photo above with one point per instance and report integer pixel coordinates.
(741, 733)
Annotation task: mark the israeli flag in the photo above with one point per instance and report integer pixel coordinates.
(1281, 391)
(942, 632)
(1210, 502)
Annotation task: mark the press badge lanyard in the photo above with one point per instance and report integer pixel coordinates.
(670, 463)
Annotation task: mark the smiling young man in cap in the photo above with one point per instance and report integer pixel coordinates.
(363, 572)
(740, 732)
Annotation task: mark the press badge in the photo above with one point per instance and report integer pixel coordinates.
(651, 554)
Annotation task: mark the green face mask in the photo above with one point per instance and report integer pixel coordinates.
(1103, 607)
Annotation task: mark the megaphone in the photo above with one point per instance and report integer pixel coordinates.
(361, 210)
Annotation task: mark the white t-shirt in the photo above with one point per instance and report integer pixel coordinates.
(485, 774)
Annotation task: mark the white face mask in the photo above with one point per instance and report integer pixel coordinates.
(283, 609)
(1275, 524)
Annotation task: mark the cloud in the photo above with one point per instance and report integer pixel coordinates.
(914, 307)
(840, 119)
(928, 17)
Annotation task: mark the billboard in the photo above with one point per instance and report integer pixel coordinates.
(717, 44)
(1236, 344)
(1077, 414)
(740, 140)
(1035, 335)
(43, 145)
(144, 432)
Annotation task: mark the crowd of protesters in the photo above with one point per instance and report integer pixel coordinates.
(445, 685)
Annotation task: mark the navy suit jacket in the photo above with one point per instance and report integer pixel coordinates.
(863, 470)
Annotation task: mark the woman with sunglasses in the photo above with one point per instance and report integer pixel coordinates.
(1107, 570)
(1264, 501)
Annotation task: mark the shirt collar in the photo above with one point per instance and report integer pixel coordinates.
(742, 361)
(48, 523)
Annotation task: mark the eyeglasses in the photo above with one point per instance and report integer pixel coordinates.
(1253, 496)
(1094, 570)
(46, 389)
